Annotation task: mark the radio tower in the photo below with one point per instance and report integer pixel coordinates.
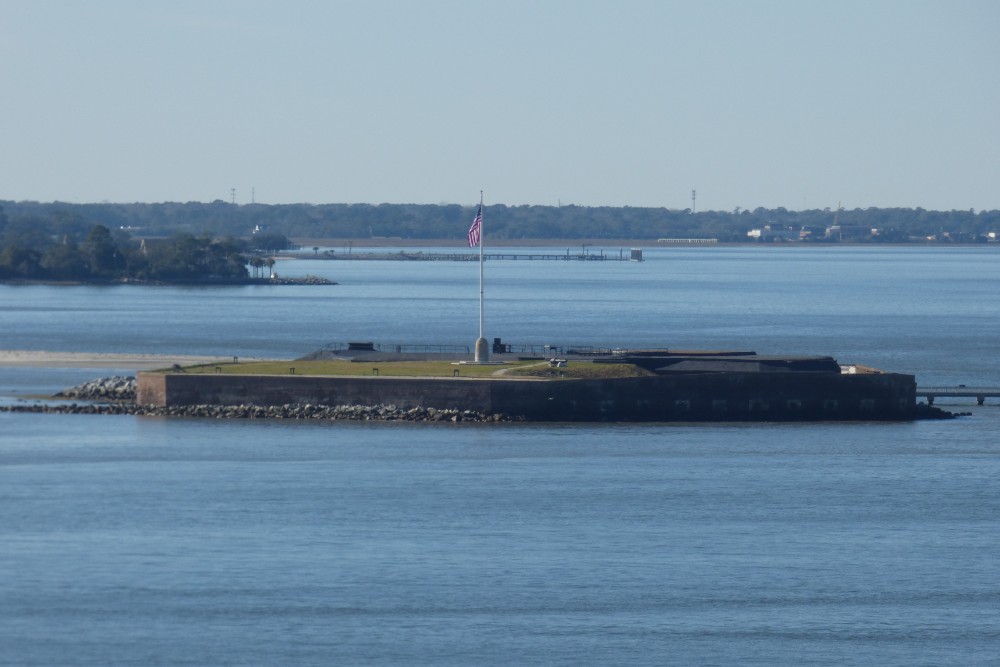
(693, 194)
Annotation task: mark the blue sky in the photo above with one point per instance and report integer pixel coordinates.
(801, 104)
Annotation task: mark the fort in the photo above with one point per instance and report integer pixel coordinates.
(577, 385)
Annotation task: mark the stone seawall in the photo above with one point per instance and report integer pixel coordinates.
(731, 396)
(117, 388)
(293, 411)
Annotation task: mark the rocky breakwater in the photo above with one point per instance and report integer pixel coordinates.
(291, 411)
(118, 388)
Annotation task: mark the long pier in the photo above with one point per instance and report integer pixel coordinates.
(961, 391)
(410, 256)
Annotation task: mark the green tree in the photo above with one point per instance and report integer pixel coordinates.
(20, 262)
(64, 261)
(102, 254)
(256, 263)
(270, 242)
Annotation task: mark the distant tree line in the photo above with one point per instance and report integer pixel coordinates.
(441, 221)
(65, 247)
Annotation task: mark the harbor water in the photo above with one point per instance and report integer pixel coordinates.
(137, 540)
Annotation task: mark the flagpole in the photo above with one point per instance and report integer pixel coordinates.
(482, 350)
(482, 242)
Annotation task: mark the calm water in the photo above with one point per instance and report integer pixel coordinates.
(139, 541)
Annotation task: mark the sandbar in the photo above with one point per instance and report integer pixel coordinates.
(139, 362)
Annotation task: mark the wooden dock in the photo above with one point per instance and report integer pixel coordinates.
(961, 391)
(410, 256)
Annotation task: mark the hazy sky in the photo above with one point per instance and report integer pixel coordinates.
(797, 103)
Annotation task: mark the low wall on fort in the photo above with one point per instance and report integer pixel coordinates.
(671, 397)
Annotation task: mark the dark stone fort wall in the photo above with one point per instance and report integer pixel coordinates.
(405, 393)
(680, 397)
(716, 397)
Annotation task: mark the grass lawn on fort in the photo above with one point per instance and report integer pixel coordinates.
(339, 367)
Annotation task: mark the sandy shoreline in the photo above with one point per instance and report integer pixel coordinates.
(139, 362)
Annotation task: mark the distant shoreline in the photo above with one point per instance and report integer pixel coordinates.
(306, 244)
(293, 280)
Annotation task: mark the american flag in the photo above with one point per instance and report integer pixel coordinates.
(474, 230)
